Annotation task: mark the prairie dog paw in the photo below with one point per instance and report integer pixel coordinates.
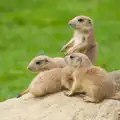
(70, 51)
(88, 99)
(63, 48)
(68, 93)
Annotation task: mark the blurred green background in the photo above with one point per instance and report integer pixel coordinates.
(28, 27)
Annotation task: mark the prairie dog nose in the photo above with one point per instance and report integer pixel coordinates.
(71, 57)
(70, 22)
(29, 68)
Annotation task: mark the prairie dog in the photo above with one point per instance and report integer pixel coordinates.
(45, 83)
(67, 72)
(42, 63)
(91, 80)
(49, 80)
(83, 39)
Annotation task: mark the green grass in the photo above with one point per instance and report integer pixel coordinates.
(28, 27)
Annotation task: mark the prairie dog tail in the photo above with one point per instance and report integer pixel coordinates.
(24, 92)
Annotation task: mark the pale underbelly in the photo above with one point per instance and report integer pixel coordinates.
(77, 42)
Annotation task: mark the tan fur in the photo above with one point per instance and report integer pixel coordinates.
(67, 72)
(83, 40)
(45, 83)
(42, 63)
(91, 80)
(66, 77)
(49, 80)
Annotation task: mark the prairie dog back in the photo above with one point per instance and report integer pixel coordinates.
(44, 83)
(47, 82)
(59, 61)
(43, 63)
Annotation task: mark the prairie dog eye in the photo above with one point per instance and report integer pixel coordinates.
(38, 62)
(46, 60)
(80, 20)
(71, 57)
(80, 59)
(89, 21)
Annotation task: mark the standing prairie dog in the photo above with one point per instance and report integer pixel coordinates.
(43, 63)
(91, 80)
(49, 80)
(83, 39)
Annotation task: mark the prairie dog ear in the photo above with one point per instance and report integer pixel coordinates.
(90, 21)
(46, 60)
(80, 59)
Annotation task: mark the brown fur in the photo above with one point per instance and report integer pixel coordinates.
(83, 40)
(91, 80)
(43, 63)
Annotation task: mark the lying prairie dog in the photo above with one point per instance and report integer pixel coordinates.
(43, 63)
(49, 80)
(44, 83)
(83, 39)
(91, 80)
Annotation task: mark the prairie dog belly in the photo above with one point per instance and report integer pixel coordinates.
(78, 40)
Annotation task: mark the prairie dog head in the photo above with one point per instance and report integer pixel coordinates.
(40, 63)
(78, 60)
(81, 23)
